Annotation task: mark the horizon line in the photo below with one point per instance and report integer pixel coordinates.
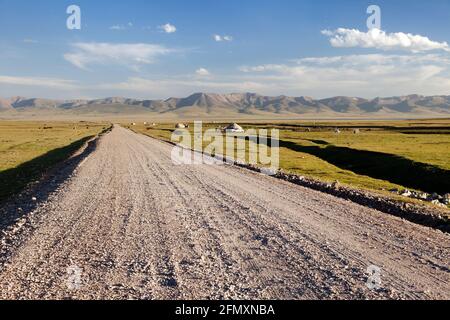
(230, 93)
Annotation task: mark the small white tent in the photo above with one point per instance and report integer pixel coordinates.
(235, 128)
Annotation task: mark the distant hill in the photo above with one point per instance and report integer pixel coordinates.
(5, 104)
(235, 104)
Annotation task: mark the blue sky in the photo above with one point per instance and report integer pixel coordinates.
(158, 49)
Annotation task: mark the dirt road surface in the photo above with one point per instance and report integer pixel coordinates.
(129, 224)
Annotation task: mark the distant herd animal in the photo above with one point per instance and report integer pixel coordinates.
(355, 131)
(337, 130)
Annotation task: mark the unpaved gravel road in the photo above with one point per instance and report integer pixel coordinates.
(137, 226)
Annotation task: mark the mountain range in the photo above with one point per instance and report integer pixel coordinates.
(234, 104)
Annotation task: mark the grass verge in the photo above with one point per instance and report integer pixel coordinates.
(29, 149)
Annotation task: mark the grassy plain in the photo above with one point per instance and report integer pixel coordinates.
(27, 149)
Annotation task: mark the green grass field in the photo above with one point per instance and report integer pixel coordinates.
(382, 156)
(27, 149)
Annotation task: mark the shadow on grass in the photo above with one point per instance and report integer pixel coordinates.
(384, 166)
(15, 181)
(153, 129)
(321, 142)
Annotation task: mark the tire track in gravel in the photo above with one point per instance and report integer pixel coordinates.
(140, 227)
(194, 228)
(231, 244)
(345, 219)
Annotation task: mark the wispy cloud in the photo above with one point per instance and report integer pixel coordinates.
(121, 27)
(54, 83)
(131, 55)
(168, 28)
(368, 75)
(375, 38)
(117, 27)
(220, 38)
(31, 41)
(180, 86)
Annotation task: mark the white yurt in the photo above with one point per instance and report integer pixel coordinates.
(235, 128)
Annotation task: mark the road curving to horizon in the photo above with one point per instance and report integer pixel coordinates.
(130, 224)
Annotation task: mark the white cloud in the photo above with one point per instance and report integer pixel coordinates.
(356, 75)
(168, 28)
(54, 83)
(202, 72)
(132, 55)
(219, 38)
(375, 38)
